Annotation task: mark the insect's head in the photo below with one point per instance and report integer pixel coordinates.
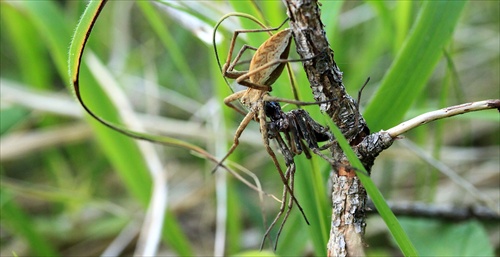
(273, 110)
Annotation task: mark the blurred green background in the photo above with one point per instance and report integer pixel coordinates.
(70, 186)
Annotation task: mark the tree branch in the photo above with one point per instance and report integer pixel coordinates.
(348, 194)
(325, 77)
(323, 73)
(443, 113)
(447, 213)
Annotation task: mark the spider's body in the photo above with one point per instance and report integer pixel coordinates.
(266, 66)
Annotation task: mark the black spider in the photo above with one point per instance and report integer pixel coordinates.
(299, 129)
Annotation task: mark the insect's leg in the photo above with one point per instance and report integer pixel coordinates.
(245, 79)
(231, 47)
(291, 140)
(327, 145)
(357, 105)
(241, 31)
(249, 117)
(320, 132)
(249, 84)
(359, 93)
(294, 134)
(290, 171)
(291, 175)
(263, 129)
(325, 157)
(304, 149)
(228, 68)
(227, 64)
(263, 29)
(306, 123)
(296, 102)
(285, 150)
(297, 134)
(233, 97)
(281, 211)
(300, 116)
(281, 122)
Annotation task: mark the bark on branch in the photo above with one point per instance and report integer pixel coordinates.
(325, 77)
(348, 194)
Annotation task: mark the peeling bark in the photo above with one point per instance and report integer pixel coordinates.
(348, 221)
(323, 73)
(348, 194)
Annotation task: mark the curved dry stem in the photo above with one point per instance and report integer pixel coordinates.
(443, 113)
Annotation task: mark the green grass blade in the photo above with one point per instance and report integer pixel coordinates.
(175, 237)
(401, 19)
(383, 209)
(466, 238)
(293, 240)
(414, 64)
(272, 11)
(10, 117)
(50, 22)
(15, 218)
(171, 46)
(234, 224)
(122, 150)
(32, 57)
(248, 7)
(80, 37)
(311, 195)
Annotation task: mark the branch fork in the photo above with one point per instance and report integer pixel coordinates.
(348, 194)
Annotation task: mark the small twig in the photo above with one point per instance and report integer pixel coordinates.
(452, 175)
(448, 213)
(443, 113)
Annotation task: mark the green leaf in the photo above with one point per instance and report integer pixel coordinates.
(436, 238)
(32, 58)
(14, 218)
(311, 195)
(293, 240)
(122, 150)
(172, 47)
(256, 254)
(414, 64)
(10, 116)
(49, 19)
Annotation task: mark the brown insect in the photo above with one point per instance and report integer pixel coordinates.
(265, 67)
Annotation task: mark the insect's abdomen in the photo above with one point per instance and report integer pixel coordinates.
(275, 48)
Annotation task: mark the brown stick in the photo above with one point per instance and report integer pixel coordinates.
(325, 77)
(443, 113)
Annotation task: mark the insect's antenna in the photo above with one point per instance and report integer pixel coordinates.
(235, 14)
(243, 15)
(283, 23)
